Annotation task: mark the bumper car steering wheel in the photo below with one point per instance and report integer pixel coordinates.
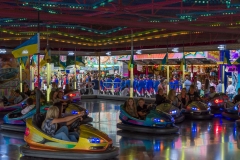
(75, 125)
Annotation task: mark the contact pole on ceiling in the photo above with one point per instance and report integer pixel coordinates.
(39, 85)
(223, 73)
(131, 67)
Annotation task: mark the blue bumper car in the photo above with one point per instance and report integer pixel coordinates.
(155, 122)
(16, 121)
(231, 110)
(175, 112)
(198, 110)
(217, 103)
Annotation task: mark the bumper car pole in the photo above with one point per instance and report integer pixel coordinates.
(38, 97)
(131, 66)
(20, 75)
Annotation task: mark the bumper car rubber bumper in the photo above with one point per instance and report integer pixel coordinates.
(199, 117)
(12, 127)
(238, 123)
(108, 154)
(179, 119)
(143, 129)
(229, 115)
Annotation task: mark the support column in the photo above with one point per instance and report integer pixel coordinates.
(75, 73)
(48, 81)
(168, 78)
(99, 73)
(146, 70)
(223, 77)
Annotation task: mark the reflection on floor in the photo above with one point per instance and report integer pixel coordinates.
(218, 139)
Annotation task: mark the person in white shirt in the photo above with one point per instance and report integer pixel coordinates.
(29, 107)
(230, 90)
(212, 84)
(219, 87)
(125, 91)
(199, 86)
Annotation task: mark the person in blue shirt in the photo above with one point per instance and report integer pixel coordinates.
(102, 88)
(116, 85)
(123, 84)
(149, 86)
(135, 85)
(141, 87)
(156, 83)
(187, 83)
(128, 82)
(108, 85)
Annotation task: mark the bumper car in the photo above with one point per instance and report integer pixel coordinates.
(92, 143)
(231, 110)
(175, 112)
(155, 122)
(74, 96)
(198, 110)
(16, 121)
(217, 103)
(74, 108)
(6, 107)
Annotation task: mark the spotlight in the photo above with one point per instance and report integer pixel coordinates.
(222, 47)
(139, 51)
(108, 53)
(175, 50)
(70, 53)
(3, 51)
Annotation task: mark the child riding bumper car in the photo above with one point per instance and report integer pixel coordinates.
(91, 143)
(155, 122)
(175, 112)
(198, 110)
(231, 110)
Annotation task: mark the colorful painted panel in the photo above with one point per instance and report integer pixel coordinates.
(234, 54)
(214, 55)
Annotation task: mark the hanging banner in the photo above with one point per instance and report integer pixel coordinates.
(63, 61)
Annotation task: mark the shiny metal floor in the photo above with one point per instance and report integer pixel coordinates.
(218, 139)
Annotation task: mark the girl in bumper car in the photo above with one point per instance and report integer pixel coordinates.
(130, 108)
(50, 124)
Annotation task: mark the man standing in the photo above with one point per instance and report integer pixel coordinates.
(230, 90)
(219, 87)
(187, 83)
(95, 83)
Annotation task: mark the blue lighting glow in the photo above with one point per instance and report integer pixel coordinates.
(94, 140)
(209, 104)
(86, 111)
(235, 108)
(64, 97)
(74, 112)
(156, 120)
(194, 108)
(173, 112)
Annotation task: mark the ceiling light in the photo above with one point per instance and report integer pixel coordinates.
(108, 53)
(139, 51)
(70, 53)
(175, 50)
(3, 51)
(222, 47)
